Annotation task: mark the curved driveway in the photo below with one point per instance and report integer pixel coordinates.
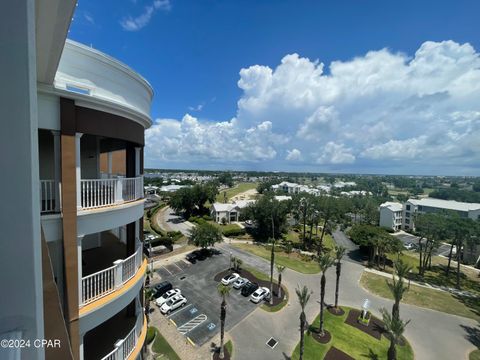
(433, 335)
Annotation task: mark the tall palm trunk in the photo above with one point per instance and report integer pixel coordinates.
(459, 258)
(223, 315)
(272, 262)
(447, 271)
(322, 234)
(302, 335)
(392, 351)
(279, 285)
(337, 283)
(322, 297)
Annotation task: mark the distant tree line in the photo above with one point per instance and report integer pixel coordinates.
(456, 194)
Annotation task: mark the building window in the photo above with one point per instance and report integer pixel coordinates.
(407, 221)
(407, 214)
(408, 207)
(420, 208)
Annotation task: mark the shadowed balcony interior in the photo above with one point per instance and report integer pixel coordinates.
(101, 340)
(102, 257)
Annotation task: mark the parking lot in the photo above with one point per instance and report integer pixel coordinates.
(199, 319)
(443, 249)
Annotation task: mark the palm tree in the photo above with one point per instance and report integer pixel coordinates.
(303, 295)
(324, 261)
(280, 270)
(223, 291)
(339, 252)
(395, 328)
(397, 287)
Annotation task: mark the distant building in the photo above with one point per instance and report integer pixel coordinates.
(172, 188)
(230, 212)
(355, 193)
(431, 205)
(283, 197)
(391, 215)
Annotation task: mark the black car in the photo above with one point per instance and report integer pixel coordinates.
(162, 288)
(192, 257)
(249, 288)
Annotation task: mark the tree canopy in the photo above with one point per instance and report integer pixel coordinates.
(205, 235)
(192, 200)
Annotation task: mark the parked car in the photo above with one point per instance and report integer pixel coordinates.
(173, 304)
(162, 288)
(260, 294)
(249, 288)
(230, 278)
(167, 296)
(192, 257)
(410, 246)
(239, 283)
(248, 223)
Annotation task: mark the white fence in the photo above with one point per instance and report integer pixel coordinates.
(97, 193)
(49, 196)
(103, 282)
(124, 347)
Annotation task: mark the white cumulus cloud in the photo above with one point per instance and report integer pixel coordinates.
(381, 109)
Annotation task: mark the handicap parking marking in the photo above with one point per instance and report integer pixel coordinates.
(178, 311)
(211, 326)
(192, 324)
(193, 310)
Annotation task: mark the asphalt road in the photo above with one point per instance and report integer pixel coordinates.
(196, 281)
(169, 221)
(443, 249)
(433, 335)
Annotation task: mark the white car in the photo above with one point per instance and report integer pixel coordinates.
(239, 283)
(260, 294)
(228, 279)
(173, 304)
(167, 296)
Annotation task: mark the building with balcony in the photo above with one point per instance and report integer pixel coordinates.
(431, 205)
(391, 215)
(72, 143)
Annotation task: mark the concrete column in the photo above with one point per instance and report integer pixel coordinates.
(137, 161)
(81, 347)
(109, 163)
(57, 167)
(79, 265)
(21, 303)
(78, 165)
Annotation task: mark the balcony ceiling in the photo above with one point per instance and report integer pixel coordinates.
(53, 18)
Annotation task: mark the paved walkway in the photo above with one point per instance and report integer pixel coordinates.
(432, 334)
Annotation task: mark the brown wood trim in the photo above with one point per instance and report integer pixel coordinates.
(96, 122)
(54, 322)
(69, 224)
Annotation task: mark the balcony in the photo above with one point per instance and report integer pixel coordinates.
(100, 281)
(98, 193)
(49, 197)
(119, 338)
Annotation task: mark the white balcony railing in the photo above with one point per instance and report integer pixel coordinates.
(96, 193)
(103, 282)
(49, 196)
(124, 347)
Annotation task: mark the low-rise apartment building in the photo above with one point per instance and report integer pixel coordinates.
(391, 215)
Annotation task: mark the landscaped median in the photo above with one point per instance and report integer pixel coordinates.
(348, 339)
(420, 296)
(160, 347)
(292, 261)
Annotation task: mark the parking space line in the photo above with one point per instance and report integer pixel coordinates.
(178, 311)
(164, 268)
(178, 267)
(192, 324)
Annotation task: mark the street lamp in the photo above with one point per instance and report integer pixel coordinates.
(409, 278)
(230, 267)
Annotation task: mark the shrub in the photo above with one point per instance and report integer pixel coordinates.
(234, 232)
(174, 235)
(151, 331)
(207, 217)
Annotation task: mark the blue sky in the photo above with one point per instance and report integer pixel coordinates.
(344, 86)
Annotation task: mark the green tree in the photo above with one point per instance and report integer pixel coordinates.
(223, 291)
(432, 229)
(205, 235)
(303, 295)
(324, 261)
(225, 178)
(262, 212)
(280, 270)
(397, 286)
(339, 252)
(395, 327)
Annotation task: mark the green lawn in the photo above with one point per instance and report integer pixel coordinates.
(350, 340)
(294, 237)
(292, 261)
(229, 346)
(419, 296)
(277, 307)
(237, 189)
(225, 227)
(162, 347)
(475, 355)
